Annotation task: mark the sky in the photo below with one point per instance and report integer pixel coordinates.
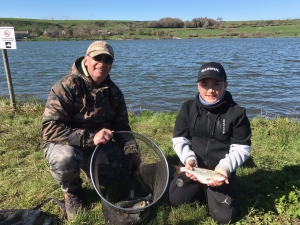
(146, 10)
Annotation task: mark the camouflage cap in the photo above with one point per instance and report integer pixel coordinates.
(100, 47)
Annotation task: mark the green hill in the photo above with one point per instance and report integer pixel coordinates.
(161, 29)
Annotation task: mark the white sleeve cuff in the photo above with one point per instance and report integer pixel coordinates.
(237, 155)
(181, 145)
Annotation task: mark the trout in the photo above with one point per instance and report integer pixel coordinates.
(204, 176)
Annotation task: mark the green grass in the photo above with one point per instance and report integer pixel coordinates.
(259, 28)
(269, 182)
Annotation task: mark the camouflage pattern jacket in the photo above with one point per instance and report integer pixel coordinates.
(77, 109)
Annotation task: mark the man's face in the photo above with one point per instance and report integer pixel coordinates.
(98, 66)
(211, 90)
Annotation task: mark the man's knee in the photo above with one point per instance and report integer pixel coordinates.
(65, 162)
(64, 159)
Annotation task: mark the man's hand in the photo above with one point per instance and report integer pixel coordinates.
(131, 147)
(103, 136)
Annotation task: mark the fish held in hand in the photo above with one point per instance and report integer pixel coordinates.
(204, 176)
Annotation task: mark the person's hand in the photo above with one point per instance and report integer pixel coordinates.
(103, 136)
(216, 183)
(190, 164)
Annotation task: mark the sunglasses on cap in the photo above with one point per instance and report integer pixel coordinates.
(107, 59)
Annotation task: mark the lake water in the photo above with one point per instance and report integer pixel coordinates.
(159, 75)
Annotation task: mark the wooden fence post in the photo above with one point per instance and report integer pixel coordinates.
(9, 81)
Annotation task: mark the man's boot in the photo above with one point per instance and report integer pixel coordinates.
(73, 202)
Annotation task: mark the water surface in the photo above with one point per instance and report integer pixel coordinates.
(159, 75)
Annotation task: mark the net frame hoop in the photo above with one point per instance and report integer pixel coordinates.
(130, 210)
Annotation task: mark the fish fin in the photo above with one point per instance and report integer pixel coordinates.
(177, 170)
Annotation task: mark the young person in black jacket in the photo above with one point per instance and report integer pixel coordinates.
(213, 132)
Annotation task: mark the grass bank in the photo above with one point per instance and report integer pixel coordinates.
(269, 181)
(124, 29)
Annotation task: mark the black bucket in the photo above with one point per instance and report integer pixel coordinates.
(128, 185)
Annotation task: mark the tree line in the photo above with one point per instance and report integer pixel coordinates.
(178, 23)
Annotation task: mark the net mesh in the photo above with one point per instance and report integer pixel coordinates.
(128, 184)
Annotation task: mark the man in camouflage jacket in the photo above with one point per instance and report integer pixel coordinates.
(82, 111)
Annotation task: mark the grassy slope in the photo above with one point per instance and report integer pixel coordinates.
(269, 180)
(279, 28)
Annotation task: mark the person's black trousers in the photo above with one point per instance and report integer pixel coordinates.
(221, 201)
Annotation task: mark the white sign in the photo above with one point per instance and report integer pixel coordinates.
(7, 38)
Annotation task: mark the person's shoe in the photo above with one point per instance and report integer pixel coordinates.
(73, 202)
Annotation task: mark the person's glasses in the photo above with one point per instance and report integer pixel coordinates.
(215, 86)
(99, 58)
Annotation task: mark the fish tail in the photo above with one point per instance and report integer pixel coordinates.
(177, 170)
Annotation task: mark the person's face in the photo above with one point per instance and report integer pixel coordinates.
(211, 90)
(98, 66)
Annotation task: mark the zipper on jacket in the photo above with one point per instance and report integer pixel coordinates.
(199, 113)
(207, 135)
(217, 126)
(212, 133)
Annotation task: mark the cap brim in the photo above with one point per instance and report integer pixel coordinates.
(211, 77)
(94, 53)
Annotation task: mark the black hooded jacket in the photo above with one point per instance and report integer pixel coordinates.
(212, 129)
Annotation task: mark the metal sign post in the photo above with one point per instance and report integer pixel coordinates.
(8, 41)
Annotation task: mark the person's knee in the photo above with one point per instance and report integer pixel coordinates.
(65, 162)
(221, 218)
(64, 159)
(182, 190)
